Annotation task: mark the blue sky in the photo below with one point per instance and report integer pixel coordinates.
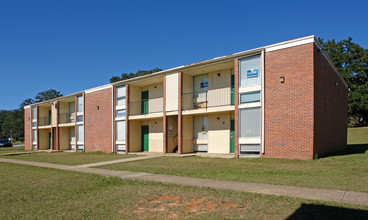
(75, 45)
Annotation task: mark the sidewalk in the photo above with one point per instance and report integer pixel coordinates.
(350, 197)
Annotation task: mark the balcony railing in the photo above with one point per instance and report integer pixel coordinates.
(146, 106)
(44, 121)
(207, 98)
(65, 118)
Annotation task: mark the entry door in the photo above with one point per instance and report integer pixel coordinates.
(49, 116)
(144, 138)
(144, 102)
(50, 140)
(232, 89)
(232, 135)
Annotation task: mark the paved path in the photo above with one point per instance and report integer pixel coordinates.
(119, 161)
(350, 197)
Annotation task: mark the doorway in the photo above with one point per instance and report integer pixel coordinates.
(144, 137)
(144, 102)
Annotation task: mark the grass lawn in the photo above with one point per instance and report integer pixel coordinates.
(39, 193)
(344, 172)
(358, 135)
(5, 150)
(70, 158)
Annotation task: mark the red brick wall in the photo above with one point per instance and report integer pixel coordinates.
(289, 105)
(98, 122)
(27, 129)
(330, 117)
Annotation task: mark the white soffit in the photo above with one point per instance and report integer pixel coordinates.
(98, 88)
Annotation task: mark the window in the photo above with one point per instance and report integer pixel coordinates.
(80, 103)
(34, 147)
(120, 95)
(120, 130)
(34, 124)
(250, 97)
(120, 113)
(250, 70)
(34, 112)
(34, 135)
(200, 130)
(250, 122)
(80, 133)
(120, 147)
(80, 147)
(79, 118)
(71, 107)
(250, 149)
(200, 87)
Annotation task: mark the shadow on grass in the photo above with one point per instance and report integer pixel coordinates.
(351, 149)
(313, 211)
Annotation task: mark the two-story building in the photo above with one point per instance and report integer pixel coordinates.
(285, 100)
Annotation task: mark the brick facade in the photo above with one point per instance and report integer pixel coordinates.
(27, 129)
(330, 108)
(289, 105)
(98, 121)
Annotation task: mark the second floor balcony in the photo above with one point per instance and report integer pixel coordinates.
(65, 118)
(208, 98)
(146, 106)
(44, 121)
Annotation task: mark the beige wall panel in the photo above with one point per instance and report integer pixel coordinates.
(155, 143)
(215, 81)
(43, 111)
(44, 139)
(172, 92)
(135, 136)
(64, 138)
(187, 134)
(219, 133)
(53, 114)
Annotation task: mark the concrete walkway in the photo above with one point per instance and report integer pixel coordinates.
(350, 197)
(119, 161)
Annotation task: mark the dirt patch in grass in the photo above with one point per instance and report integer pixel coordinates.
(169, 205)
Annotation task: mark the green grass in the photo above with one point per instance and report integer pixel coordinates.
(39, 193)
(70, 158)
(5, 150)
(358, 135)
(344, 172)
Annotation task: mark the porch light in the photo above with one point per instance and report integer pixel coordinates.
(282, 79)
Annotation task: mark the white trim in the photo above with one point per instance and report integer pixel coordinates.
(98, 88)
(120, 107)
(262, 103)
(27, 107)
(256, 140)
(249, 105)
(120, 142)
(292, 43)
(250, 89)
(113, 121)
(120, 119)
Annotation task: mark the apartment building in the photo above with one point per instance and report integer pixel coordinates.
(285, 100)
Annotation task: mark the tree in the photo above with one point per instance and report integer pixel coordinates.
(26, 102)
(47, 95)
(125, 76)
(352, 62)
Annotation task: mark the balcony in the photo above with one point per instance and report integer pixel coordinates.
(208, 99)
(65, 118)
(146, 106)
(44, 121)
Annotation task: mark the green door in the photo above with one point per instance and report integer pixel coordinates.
(232, 90)
(232, 135)
(144, 102)
(144, 139)
(50, 140)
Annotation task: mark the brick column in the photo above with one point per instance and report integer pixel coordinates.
(57, 126)
(75, 120)
(37, 131)
(164, 117)
(127, 96)
(180, 117)
(236, 113)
